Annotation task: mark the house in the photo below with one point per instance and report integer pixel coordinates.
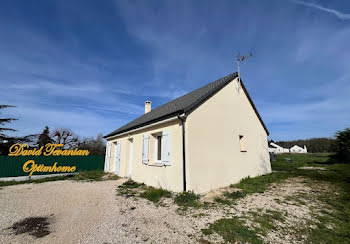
(277, 149)
(297, 149)
(206, 139)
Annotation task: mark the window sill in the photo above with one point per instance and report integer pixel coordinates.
(157, 164)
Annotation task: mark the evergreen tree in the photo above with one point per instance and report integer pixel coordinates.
(44, 137)
(3, 121)
(342, 145)
(7, 141)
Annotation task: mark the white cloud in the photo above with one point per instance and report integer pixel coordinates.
(340, 15)
(84, 123)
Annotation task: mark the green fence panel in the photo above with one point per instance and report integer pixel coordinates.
(13, 166)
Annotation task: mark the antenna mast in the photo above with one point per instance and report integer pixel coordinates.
(240, 59)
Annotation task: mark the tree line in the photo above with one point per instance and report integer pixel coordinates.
(340, 144)
(64, 136)
(314, 145)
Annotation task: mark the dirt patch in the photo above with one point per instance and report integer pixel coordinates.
(35, 226)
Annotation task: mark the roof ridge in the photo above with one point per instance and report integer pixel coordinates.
(225, 77)
(183, 104)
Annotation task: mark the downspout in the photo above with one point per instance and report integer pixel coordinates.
(183, 151)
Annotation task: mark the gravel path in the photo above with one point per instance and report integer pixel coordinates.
(91, 213)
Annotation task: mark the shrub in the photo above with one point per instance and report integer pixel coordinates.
(342, 145)
(187, 199)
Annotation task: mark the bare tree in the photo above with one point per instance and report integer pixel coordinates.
(66, 137)
(95, 146)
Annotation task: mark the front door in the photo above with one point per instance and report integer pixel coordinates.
(131, 148)
(116, 157)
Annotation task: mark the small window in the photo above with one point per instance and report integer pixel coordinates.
(159, 148)
(242, 143)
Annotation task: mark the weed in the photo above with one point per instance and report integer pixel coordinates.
(207, 232)
(128, 188)
(234, 195)
(222, 201)
(154, 195)
(130, 184)
(187, 199)
(92, 175)
(197, 215)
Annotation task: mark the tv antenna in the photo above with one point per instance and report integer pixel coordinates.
(239, 60)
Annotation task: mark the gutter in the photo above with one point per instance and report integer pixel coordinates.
(183, 119)
(141, 128)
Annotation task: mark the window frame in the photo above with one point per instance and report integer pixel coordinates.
(242, 143)
(156, 146)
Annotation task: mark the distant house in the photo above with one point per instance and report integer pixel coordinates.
(297, 149)
(206, 139)
(277, 149)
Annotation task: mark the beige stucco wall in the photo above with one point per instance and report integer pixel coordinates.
(167, 177)
(213, 151)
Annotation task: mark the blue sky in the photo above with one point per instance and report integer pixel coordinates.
(90, 65)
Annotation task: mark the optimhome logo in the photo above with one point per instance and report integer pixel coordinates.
(50, 149)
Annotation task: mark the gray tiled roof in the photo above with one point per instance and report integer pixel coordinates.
(183, 104)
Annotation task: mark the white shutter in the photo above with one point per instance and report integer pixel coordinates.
(145, 149)
(108, 156)
(166, 147)
(117, 157)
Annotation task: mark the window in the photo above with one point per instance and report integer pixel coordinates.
(159, 148)
(242, 143)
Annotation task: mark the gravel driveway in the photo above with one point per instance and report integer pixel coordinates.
(91, 212)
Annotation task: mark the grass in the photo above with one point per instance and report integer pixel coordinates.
(93, 175)
(266, 220)
(261, 183)
(233, 230)
(132, 188)
(234, 195)
(48, 179)
(187, 199)
(130, 184)
(128, 188)
(331, 221)
(155, 194)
